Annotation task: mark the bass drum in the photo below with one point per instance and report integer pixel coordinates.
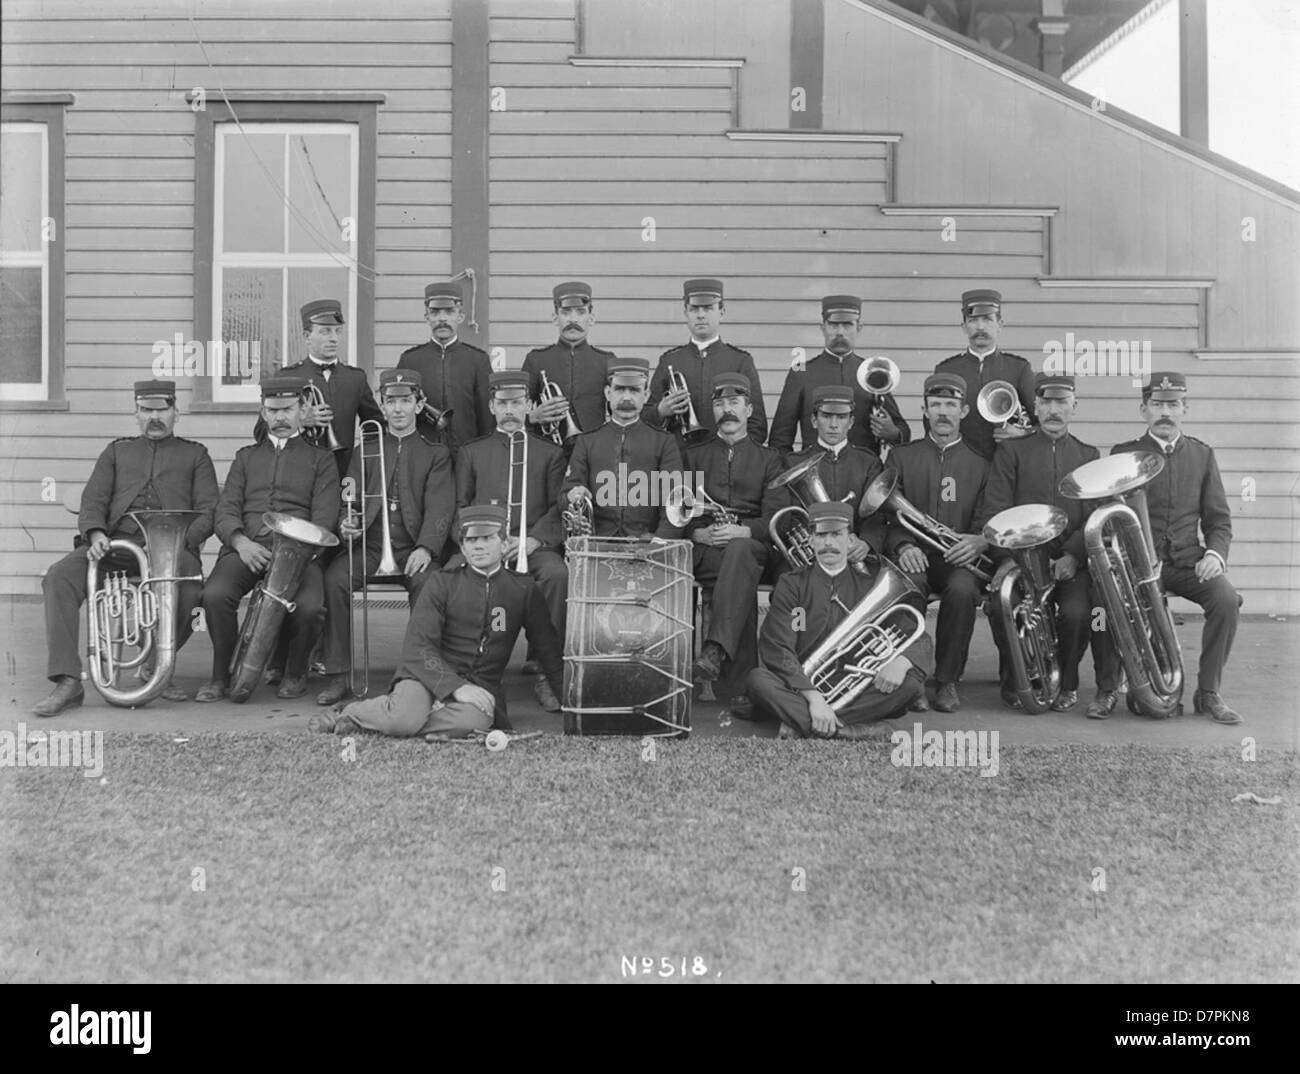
(627, 646)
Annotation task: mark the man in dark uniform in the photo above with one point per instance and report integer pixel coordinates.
(458, 643)
(454, 373)
(943, 477)
(699, 361)
(1187, 494)
(153, 471)
(1029, 470)
(283, 473)
(418, 481)
(837, 364)
(572, 364)
(625, 467)
(807, 605)
(484, 475)
(981, 363)
(730, 555)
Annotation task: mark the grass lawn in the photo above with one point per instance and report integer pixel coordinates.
(320, 868)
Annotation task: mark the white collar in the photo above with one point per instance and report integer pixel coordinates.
(323, 364)
(833, 574)
(481, 574)
(943, 447)
(624, 424)
(1166, 446)
(277, 442)
(444, 346)
(980, 357)
(835, 451)
(706, 345)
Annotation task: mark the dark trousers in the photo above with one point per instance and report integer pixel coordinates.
(338, 597)
(229, 581)
(1220, 600)
(733, 573)
(959, 595)
(64, 586)
(772, 697)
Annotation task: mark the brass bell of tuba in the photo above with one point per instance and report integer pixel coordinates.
(1124, 566)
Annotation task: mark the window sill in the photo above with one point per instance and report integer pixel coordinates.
(9, 405)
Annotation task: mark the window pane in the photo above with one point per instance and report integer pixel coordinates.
(20, 325)
(307, 285)
(20, 191)
(320, 180)
(251, 193)
(251, 314)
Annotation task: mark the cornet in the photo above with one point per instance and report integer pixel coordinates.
(562, 429)
(878, 376)
(439, 418)
(999, 404)
(690, 422)
(684, 505)
(322, 435)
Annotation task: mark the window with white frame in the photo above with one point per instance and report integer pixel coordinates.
(285, 211)
(26, 231)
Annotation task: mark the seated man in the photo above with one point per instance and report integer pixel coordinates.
(458, 643)
(807, 605)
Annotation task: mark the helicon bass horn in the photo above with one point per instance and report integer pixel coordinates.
(1124, 566)
(1022, 592)
(879, 628)
(295, 542)
(139, 616)
(999, 404)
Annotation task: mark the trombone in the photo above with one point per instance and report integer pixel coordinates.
(999, 404)
(387, 561)
(690, 422)
(518, 461)
(316, 398)
(564, 429)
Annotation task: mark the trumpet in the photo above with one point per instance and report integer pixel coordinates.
(883, 492)
(999, 404)
(321, 435)
(878, 376)
(1125, 567)
(791, 528)
(564, 429)
(519, 460)
(689, 422)
(684, 505)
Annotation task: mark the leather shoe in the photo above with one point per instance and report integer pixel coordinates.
(292, 686)
(946, 699)
(741, 708)
(335, 691)
(1209, 701)
(1065, 701)
(213, 691)
(786, 731)
(1012, 700)
(1103, 706)
(273, 676)
(68, 693)
(332, 723)
(172, 692)
(545, 695)
(709, 666)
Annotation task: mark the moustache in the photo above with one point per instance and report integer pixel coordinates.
(728, 416)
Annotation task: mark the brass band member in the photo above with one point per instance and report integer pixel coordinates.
(484, 474)
(155, 470)
(836, 364)
(983, 362)
(458, 643)
(1186, 494)
(418, 479)
(454, 373)
(624, 465)
(699, 360)
(286, 474)
(1029, 470)
(942, 476)
(730, 554)
(572, 364)
(807, 605)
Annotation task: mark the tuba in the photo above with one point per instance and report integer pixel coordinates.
(1125, 568)
(689, 422)
(878, 629)
(320, 435)
(999, 404)
(564, 429)
(883, 492)
(1022, 589)
(296, 542)
(140, 616)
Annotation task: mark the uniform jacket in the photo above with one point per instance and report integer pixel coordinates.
(1186, 494)
(627, 469)
(182, 479)
(999, 365)
(804, 596)
(301, 480)
(455, 377)
(419, 477)
(847, 475)
(483, 476)
(926, 474)
(347, 392)
(579, 372)
(1030, 470)
(794, 411)
(463, 630)
(736, 476)
(699, 368)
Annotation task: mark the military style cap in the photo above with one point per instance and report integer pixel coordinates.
(573, 293)
(443, 296)
(1169, 385)
(701, 289)
(322, 311)
(283, 387)
(948, 384)
(841, 308)
(399, 382)
(1053, 386)
(628, 371)
(155, 394)
(830, 516)
(981, 300)
(730, 384)
(508, 382)
(833, 398)
(480, 521)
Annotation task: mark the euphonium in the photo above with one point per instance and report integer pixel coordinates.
(685, 504)
(1124, 566)
(690, 423)
(140, 616)
(878, 629)
(883, 492)
(562, 429)
(999, 404)
(320, 435)
(791, 528)
(1022, 588)
(878, 376)
(296, 541)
